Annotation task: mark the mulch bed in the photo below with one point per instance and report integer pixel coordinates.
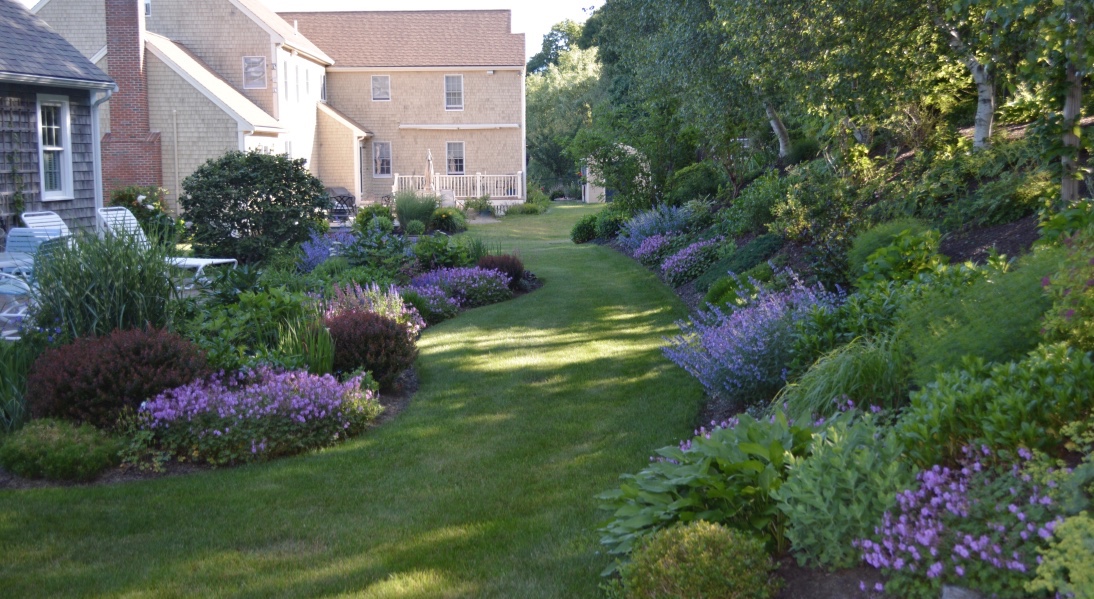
(975, 244)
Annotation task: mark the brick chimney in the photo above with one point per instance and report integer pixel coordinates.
(131, 152)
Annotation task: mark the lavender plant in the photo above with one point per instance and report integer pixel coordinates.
(976, 526)
(256, 415)
(692, 261)
(372, 298)
(470, 287)
(320, 248)
(742, 355)
(662, 220)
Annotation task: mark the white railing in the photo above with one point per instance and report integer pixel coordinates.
(465, 186)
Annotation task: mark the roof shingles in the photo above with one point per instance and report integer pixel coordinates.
(440, 38)
(31, 49)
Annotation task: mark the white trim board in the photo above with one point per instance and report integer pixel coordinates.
(460, 127)
(448, 69)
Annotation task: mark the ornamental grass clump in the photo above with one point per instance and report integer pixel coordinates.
(470, 287)
(258, 415)
(373, 298)
(692, 261)
(742, 355)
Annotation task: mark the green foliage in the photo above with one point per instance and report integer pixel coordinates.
(559, 99)
(905, 258)
(1071, 317)
(699, 559)
(1058, 225)
(609, 221)
(1006, 406)
(449, 220)
(480, 205)
(841, 490)
(1013, 195)
(383, 252)
(750, 212)
(411, 206)
(247, 332)
(802, 150)
(1067, 567)
(741, 261)
(58, 450)
(733, 291)
(869, 372)
(441, 251)
(247, 205)
(414, 227)
(307, 344)
(149, 206)
(696, 181)
(877, 237)
(16, 359)
(94, 285)
(526, 208)
(584, 230)
(997, 317)
(366, 214)
(728, 478)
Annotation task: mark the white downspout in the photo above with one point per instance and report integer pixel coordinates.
(175, 127)
(96, 147)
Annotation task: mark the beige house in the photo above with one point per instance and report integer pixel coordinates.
(364, 97)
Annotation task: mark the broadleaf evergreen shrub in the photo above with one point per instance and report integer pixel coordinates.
(584, 230)
(58, 450)
(695, 181)
(247, 205)
(609, 221)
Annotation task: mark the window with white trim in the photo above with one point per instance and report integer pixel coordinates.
(455, 158)
(54, 147)
(381, 159)
(297, 83)
(323, 87)
(453, 92)
(254, 72)
(381, 88)
(147, 8)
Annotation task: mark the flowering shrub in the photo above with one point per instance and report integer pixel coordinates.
(470, 287)
(368, 341)
(94, 379)
(977, 526)
(250, 416)
(432, 302)
(371, 298)
(742, 355)
(318, 249)
(650, 251)
(661, 220)
(690, 262)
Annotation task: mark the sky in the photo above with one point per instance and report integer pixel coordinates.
(533, 18)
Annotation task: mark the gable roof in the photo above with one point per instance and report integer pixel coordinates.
(204, 79)
(32, 52)
(281, 28)
(432, 38)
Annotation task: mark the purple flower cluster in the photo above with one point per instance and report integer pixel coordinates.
(372, 298)
(977, 525)
(248, 416)
(691, 261)
(661, 220)
(742, 355)
(318, 249)
(434, 302)
(469, 287)
(651, 247)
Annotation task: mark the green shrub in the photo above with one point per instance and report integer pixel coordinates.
(1067, 567)
(729, 292)
(877, 237)
(59, 451)
(97, 284)
(700, 559)
(246, 333)
(584, 230)
(695, 181)
(449, 220)
(440, 251)
(748, 256)
(728, 475)
(1013, 195)
(365, 214)
(750, 212)
(149, 206)
(609, 222)
(16, 359)
(368, 341)
(414, 227)
(802, 150)
(1005, 406)
(842, 490)
(479, 205)
(997, 318)
(384, 252)
(526, 208)
(538, 197)
(247, 205)
(1071, 317)
(383, 224)
(905, 258)
(331, 268)
(870, 372)
(411, 206)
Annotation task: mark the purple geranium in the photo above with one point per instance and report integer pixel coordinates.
(651, 247)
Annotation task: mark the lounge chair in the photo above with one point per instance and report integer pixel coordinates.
(120, 220)
(14, 303)
(20, 245)
(47, 220)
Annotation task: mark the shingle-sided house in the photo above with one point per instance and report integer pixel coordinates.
(49, 131)
(447, 84)
(365, 97)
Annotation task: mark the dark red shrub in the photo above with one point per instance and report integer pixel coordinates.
(373, 342)
(507, 264)
(95, 378)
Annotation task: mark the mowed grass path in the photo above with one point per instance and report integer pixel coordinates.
(483, 487)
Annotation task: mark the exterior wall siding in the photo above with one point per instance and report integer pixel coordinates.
(418, 98)
(335, 154)
(81, 22)
(19, 138)
(204, 130)
(300, 88)
(221, 35)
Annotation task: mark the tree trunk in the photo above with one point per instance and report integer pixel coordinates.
(1069, 186)
(863, 135)
(985, 104)
(780, 130)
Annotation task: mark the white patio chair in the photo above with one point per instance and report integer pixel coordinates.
(120, 220)
(20, 245)
(14, 304)
(46, 220)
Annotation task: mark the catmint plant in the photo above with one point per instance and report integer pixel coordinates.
(320, 248)
(692, 261)
(372, 298)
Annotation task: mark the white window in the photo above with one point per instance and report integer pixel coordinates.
(54, 147)
(381, 159)
(254, 72)
(323, 87)
(453, 92)
(455, 158)
(285, 78)
(297, 83)
(381, 88)
(147, 8)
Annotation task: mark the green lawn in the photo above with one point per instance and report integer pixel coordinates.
(483, 487)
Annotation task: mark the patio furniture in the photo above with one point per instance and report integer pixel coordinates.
(343, 206)
(46, 220)
(14, 304)
(19, 248)
(119, 220)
